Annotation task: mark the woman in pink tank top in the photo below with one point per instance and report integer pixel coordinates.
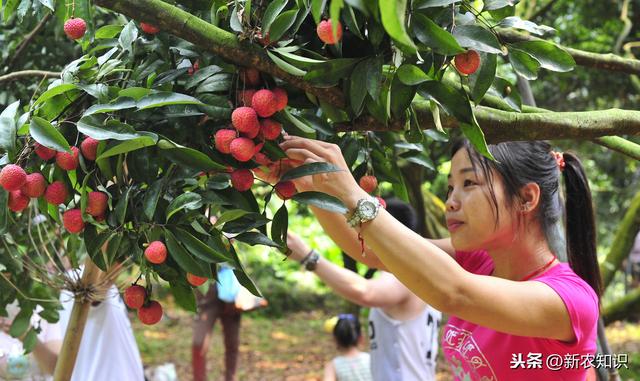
(517, 312)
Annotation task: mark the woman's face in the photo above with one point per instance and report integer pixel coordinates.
(470, 212)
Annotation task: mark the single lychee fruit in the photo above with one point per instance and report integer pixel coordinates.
(265, 103)
(244, 97)
(242, 179)
(56, 193)
(261, 159)
(45, 153)
(282, 99)
(194, 68)
(251, 134)
(35, 185)
(18, 201)
(150, 313)
(96, 203)
(368, 183)
(75, 28)
(223, 140)
(383, 203)
(148, 28)
(286, 189)
(325, 32)
(72, 220)
(242, 149)
(195, 280)
(89, 148)
(270, 129)
(156, 252)
(245, 119)
(68, 161)
(135, 296)
(12, 177)
(250, 76)
(467, 62)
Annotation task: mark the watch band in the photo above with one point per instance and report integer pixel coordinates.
(357, 217)
(310, 262)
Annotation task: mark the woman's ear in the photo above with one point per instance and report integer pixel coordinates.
(530, 196)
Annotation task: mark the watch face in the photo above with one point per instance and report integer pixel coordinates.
(368, 209)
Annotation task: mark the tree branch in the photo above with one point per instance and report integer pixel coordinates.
(217, 40)
(623, 307)
(28, 73)
(609, 61)
(27, 40)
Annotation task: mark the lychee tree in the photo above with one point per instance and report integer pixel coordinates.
(146, 148)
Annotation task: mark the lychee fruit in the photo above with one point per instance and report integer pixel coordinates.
(156, 252)
(56, 193)
(270, 129)
(195, 280)
(245, 119)
(261, 159)
(135, 296)
(75, 28)
(150, 313)
(17, 201)
(325, 32)
(252, 133)
(242, 179)
(45, 153)
(96, 203)
(244, 97)
(72, 221)
(12, 177)
(467, 62)
(250, 76)
(148, 28)
(265, 103)
(368, 183)
(68, 161)
(35, 185)
(282, 99)
(286, 189)
(89, 148)
(223, 140)
(242, 149)
(194, 68)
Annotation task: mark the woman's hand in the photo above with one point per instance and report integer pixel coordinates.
(299, 248)
(339, 184)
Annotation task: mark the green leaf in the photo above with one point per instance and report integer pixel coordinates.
(478, 38)
(94, 241)
(401, 96)
(284, 65)
(128, 36)
(192, 158)
(412, 75)
(199, 248)
(453, 101)
(119, 104)
(358, 87)
(7, 135)
(31, 338)
(21, 322)
(309, 169)
(128, 146)
(273, 10)
(481, 80)
(52, 92)
(230, 215)
(422, 4)
(201, 75)
(419, 158)
(507, 93)
(297, 122)
(334, 14)
(317, 7)
(94, 127)
(165, 99)
(10, 9)
(121, 207)
(151, 197)
(279, 227)
(321, 200)
(524, 64)
(393, 19)
(256, 238)
(47, 135)
(518, 23)
(11, 111)
(184, 260)
(282, 23)
(108, 31)
(476, 137)
(189, 200)
(490, 5)
(374, 76)
(550, 56)
(434, 36)
(134, 92)
(242, 277)
(184, 296)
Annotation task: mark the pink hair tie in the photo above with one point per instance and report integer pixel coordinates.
(559, 156)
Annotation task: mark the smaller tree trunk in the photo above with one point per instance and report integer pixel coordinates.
(623, 307)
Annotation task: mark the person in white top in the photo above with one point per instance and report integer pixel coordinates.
(403, 330)
(35, 366)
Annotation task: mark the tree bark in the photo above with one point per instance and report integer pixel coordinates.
(28, 73)
(622, 307)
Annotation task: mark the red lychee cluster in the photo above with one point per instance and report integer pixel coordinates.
(149, 311)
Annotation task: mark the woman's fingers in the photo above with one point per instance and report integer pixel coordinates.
(303, 155)
(307, 144)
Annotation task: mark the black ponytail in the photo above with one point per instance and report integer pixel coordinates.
(580, 224)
